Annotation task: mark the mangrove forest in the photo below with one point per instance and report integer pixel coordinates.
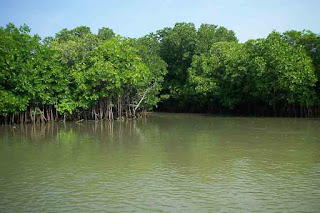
(78, 74)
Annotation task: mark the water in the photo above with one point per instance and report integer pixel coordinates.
(166, 163)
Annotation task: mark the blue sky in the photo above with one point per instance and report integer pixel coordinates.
(134, 18)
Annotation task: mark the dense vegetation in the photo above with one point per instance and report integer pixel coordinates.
(81, 75)
(76, 75)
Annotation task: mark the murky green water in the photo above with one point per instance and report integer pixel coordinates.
(168, 162)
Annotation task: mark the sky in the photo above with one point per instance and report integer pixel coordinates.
(249, 19)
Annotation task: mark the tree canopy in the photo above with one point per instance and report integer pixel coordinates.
(81, 75)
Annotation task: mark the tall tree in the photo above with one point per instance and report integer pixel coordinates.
(208, 34)
(177, 49)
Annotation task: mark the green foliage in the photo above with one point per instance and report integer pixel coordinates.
(221, 73)
(148, 48)
(308, 41)
(28, 73)
(105, 34)
(266, 70)
(81, 74)
(178, 46)
(109, 71)
(177, 49)
(11, 103)
(72, 46)
(288, 75)
(77, 70)
(208, 34)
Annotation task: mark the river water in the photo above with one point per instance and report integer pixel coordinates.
(165, 163)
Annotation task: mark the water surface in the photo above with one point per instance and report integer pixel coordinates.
(165, 163)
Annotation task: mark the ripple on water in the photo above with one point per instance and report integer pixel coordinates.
(164, 164)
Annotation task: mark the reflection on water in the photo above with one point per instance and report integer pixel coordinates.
(168, 162)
